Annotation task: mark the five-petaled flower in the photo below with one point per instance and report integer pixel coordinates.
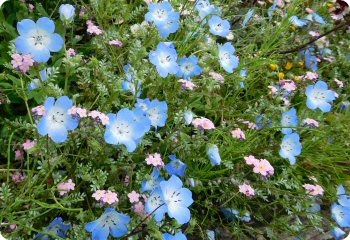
(227, 60)
(318, 96)
(164, 58)
(176, 166)
(56, 227)
(290, 147)
(219, 26)
(289, 119)
(177, 236)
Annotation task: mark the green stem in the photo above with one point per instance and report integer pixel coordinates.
(26, 102)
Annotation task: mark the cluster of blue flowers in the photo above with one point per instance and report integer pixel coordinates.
(341, 213)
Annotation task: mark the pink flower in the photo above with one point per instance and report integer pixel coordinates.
(187, 85)
(238, 133)
(17, 177)
(309, 10)
(65, 187)
(16, 60)
(127, 180)
(26, 63)
(155, 160)
(203, 123)
(99, 194)
(92, 28)
(139, 208)
(19, 154)
(273, 90)
(314, 34)
(250, 125)
(116, 42)
(251, 160)
(134, 197)
(264, 168)
(99, 117)
(28, 144)
(77, 112)
(311, 76)
(39, 110)
(313, 190)
(31, 7)
(288, 85)
(104, 119)
(82, 11)
(311, 122)
(217, 76)
(110, 197)
(71, 52)
(247, 190)
(339, 83)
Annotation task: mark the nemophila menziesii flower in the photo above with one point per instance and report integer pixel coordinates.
(123, 130)
(311, 61)
(247, 17)
(337, 233)
(177, 236)
(44, 75)
(155, 110)
(152, 182)
(57, 121)
(67, 12)
(57, 227)
(110, 222)
(318, 96)
(164, 58)
(188, 67)
(218, 26)
(170, 197)
(176, 166)
(38, 39)
(341, 215)
(297, 21)
(289, 119)
(204, 8)
(227, 60)
(188, 116)
(290, 147)
(131, 84)
(214, 155)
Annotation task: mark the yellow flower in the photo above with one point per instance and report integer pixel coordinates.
(281, 75)
(288, 66)
(301, 64)
(293, 28)
(330, 5)
(273, 66)
(297, 78)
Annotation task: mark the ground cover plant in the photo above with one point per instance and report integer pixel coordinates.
(179, 119)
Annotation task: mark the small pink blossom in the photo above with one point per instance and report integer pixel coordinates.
(31, 7)
(18, 177)
(26, 63)
(71, 52)
(99, 194)
(155, 160)
(110, 197)
(92, 28)
(13, 226)
(116, 42)
(273, 90)
(238, 133)
(264, 168)
(217, 76)
(39, 110)
(65, 187)
(187, 85)
(247, 190)
(16, 60)
(19, 154)
(139, 208)
(77, 112)
(250, 124)
(127, 180)
(311, 76)
(99, 117)
(28, 144)
(134, 197)
(314, 34)
(288, 85)
(309, 10)
(251, 160)
(311, 122)
(314, 190)
(203, 123)
(339, 83)
(104, 119)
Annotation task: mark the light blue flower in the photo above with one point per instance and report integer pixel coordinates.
(317, 18)
(298, 22)
(247, 17)
(177, 236)
(188, 67)
(110, 222)
(188, 116)
(233, 214)
(227, 60)
(290, 147)
(130, 84)
(38, 39)
(67, 12)
(125, 129)
(214, 155)
(219, 26)
(57, 227)
(318, 96)
(311, 61)
(153, 182)
(210, 234)
(164, 58)
(155, 110)
(170, 198)
(343, 198)
(171, 26)
(176, 166)
(341, 215)
(57, 122)
(204, 8)
(272, 9)
(337, 233)
(44, 75)
(289, 119)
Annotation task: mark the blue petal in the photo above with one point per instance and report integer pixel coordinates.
(181, 214)
(90, 227)
(49, 103)
(40, 56)
(22, 45)
(321, 85)
(71, 123)
(46, 24)
(119, 230)
(309, 90)
(58, 135)
(25, 26)
(344, 200)
(325, 107)
(100, 233)
(318, 18)
(42, 126)
(130, 145)
(56, 43)
(64, 102)
(340, 190)
(311, 104)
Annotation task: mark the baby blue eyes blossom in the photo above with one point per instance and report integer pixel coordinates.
(44, 75)
(290, 147)
(67, 12)
(177, 236)
(164, 58)
(110, 222)
(131, 84)
(337, 233)
(289, 119)
(204, 8)
(153, 182)
(57, 227)
(318, 96)
(170, 197)
(341, 211)
(227, 60)
(57, 122)
(297, 21)
(218, 26)
(38, 39)
(214, 155)
(176, 166)
(155, 110)
(189, 67)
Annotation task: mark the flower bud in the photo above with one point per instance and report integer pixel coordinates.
(67, 12)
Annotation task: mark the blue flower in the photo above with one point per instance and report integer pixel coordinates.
(343, 198)
(214, 155)
(110, 222)
(298, 22)
(170, 198)
(123, 128)
(318, 96)
(56, 121)
(176, 166)
(272, 9)
(44, 75)
(227, 60)
(290, 147)
(56, 227)
(337, 233)
(155, 110)
(188, 116)
(233, 214)
(311, 61)
(67, 12)
(341, 215)
(153, 182)
(218, 26)
(189, 67)
(289, 119)
(210, 234)
(164, 58)
(204, 8)
(247, 17)
(171, 26)
(38, 39)
(131, 84)
(317, 18)
(177, 236)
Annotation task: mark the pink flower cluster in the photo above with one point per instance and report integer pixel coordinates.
(288, 85)
(18, 177)
(28, 145)
(71, 52)
(247, 190)
(106, 197)
(22, 62)
(19, 154)
(39, 110)
(250, 124)
(203, 123)
(66, 187)
(339, 83)
(99, 117)
(155, 160)
(261, 166)
(311, 122)
(217, 76)
(314, 190)
(92, 28)
(77, 112)
(116, 42)
(138, 206)
(311, 76)
(187, 85)
(238, 133)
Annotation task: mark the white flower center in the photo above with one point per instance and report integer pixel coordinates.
(165, 59)
(57, 117)
(187, 68)
(39, 39)
(225, 57)
(218, 27)
(154, 115)
(122, 130)
(161, 15)
(318, 96)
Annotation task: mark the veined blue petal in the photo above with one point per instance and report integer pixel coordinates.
(181, 214)
(64, 102)
(56, 43)
(40, 56)
(25, 26)
(46, 24)
(22, 45)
